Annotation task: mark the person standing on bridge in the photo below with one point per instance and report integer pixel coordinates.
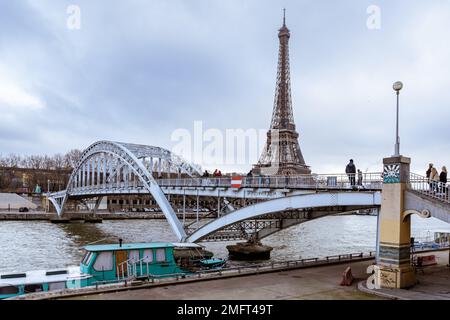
(430, 166)
(434, 180)
(350, 170)
(360, 178)
(443, 175)
(443, 180)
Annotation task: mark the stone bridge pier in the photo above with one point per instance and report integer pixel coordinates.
(394, 268)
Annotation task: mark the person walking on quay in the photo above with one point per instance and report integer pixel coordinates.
(350, 170)
(434, 180)
(360, 178)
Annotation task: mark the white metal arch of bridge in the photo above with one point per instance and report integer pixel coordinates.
(106, 167)
(317, 200)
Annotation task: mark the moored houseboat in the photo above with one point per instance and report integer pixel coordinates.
(110, 263)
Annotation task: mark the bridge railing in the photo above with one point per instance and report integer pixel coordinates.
(432, 189)
(313, 181)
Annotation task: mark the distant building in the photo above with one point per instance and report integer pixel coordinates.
(21, 180)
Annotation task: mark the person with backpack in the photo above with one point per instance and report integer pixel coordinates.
(350, 170)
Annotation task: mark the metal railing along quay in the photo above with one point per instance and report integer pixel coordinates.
(312, 181)
(136, 270)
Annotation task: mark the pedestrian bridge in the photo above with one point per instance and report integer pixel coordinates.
(246, 206)
(302, 208)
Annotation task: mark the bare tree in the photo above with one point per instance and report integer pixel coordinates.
(37, 162)
(3, 161)
(59, 161)
(13, 160)
(72, 157)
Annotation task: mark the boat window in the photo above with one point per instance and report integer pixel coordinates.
(84, 257)
(160, 255)
(133, 256)
(148, 255)
(56, 286)
(104, 262)
(9, 290)
(33, 288)
(87, 258)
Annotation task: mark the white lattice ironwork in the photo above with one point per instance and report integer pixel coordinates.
(106, 167)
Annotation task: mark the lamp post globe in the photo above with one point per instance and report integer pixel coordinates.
(398, 86)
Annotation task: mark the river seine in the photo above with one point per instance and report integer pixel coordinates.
(41, 245)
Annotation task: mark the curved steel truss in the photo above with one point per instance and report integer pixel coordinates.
(307, 201)
(108, 167)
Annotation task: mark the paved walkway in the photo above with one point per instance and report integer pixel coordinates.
(316, 283)
(433, 283)
(306, 284)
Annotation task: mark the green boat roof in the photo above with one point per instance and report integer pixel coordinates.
(129, 246)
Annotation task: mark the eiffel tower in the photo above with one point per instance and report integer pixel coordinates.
(282, 154)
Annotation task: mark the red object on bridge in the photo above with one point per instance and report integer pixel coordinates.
(347, 277)
(236, 182)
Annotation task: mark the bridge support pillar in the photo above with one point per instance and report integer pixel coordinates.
(394, 261)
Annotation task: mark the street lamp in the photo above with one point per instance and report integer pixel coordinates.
(397, 87)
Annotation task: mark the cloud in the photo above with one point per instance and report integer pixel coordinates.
(138, 70)
(15, 98)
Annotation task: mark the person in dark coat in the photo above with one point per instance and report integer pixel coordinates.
(430, 168)
(443, 175)
(443, 180)
(350, 170)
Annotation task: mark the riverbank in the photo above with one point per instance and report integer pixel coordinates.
(208, 278)
(313, 283)
(45, 216)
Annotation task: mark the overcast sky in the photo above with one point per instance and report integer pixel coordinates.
(138, 70)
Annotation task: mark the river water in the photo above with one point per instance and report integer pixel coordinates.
(30, 245)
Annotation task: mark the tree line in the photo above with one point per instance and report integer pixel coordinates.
(41, 162)
(49, 173)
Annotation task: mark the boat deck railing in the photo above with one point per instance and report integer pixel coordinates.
(134, 269)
